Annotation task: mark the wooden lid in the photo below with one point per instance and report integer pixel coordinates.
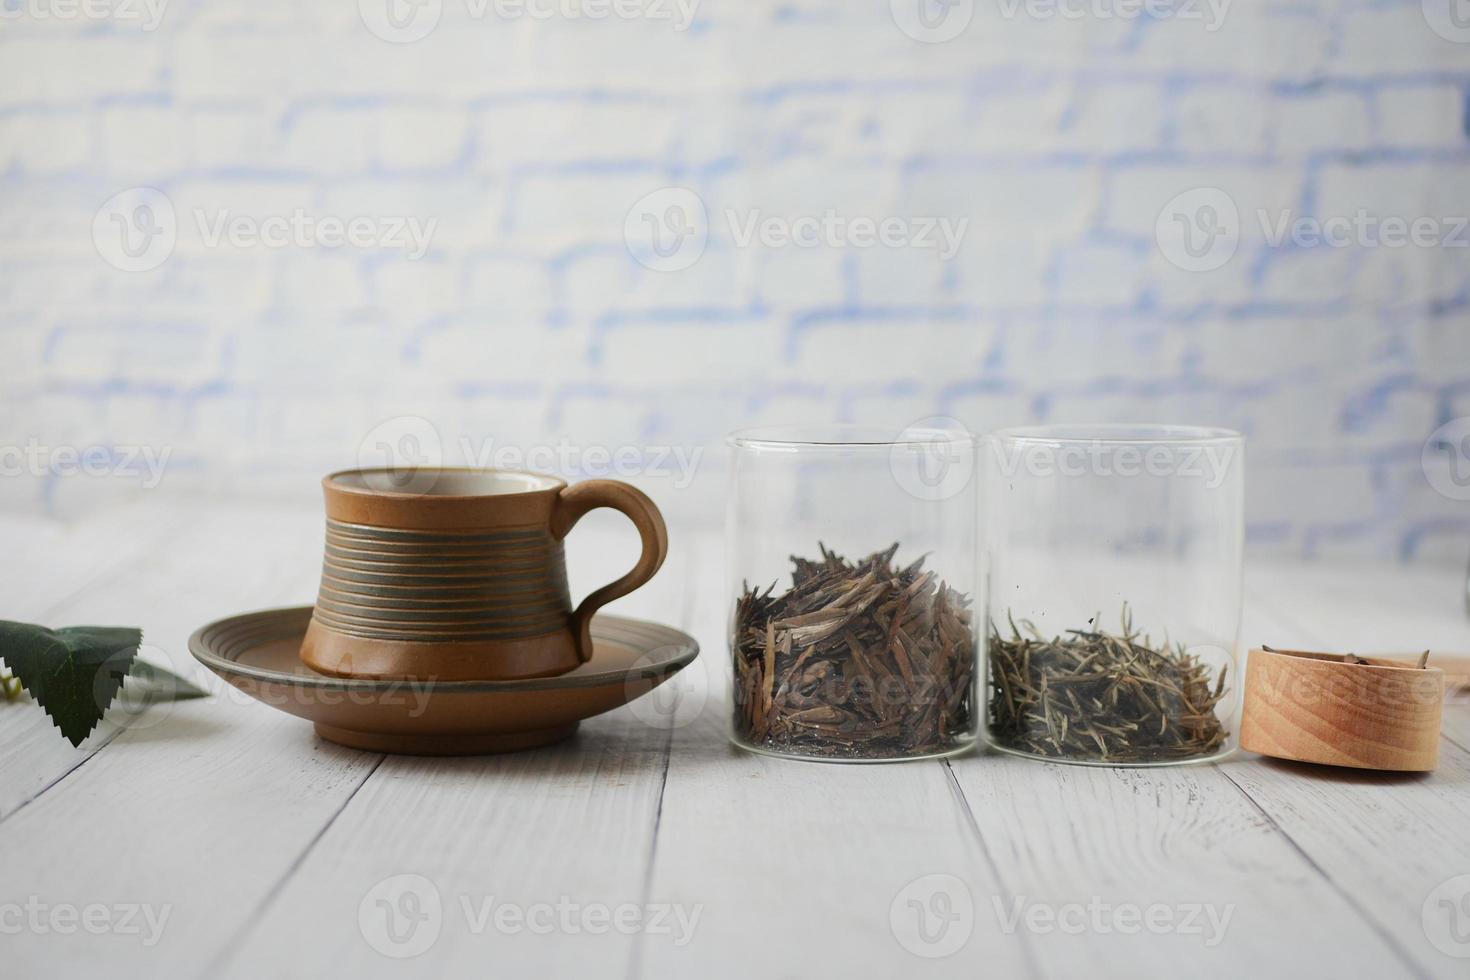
(1371, 713)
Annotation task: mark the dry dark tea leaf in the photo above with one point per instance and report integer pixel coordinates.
(858, 660)
(1101, 697)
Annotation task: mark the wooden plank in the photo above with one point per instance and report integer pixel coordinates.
(551, 833)
(194, 820)
(1384, 840)
(193, 810)
(65, 563)
(1236, 895)
(62, 558)
(799, 867)
(1457, 725)
(1368, 608)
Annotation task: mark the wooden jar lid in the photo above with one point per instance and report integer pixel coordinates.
(1314, 707)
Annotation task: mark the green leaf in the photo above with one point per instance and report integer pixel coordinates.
(74, 673)
(161, 684)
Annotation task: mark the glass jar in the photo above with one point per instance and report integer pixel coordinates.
(852, 577)
(1114, 585)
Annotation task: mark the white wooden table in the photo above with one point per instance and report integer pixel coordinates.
(641, 849)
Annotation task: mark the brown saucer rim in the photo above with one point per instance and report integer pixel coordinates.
(682, 649)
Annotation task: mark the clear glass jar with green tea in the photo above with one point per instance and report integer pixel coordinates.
(1114, 559)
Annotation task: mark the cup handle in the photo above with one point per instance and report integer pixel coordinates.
(576, 501)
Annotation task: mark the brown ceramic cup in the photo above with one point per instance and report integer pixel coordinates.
(464, 580)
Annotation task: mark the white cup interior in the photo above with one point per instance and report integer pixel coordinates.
(446, 483)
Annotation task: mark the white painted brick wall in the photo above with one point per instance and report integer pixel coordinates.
(528, 321)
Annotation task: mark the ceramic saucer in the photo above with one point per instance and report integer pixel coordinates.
(258, 653)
